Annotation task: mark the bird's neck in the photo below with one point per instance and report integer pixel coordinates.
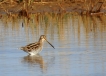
(41, 41)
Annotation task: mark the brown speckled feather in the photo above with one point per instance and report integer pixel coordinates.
(30, 47)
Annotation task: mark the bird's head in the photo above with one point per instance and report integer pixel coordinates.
(43, 38)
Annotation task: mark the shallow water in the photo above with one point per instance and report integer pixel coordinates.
(79, 41)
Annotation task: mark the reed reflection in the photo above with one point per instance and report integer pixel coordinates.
(65, 26)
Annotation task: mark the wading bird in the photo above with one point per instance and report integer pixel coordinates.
(35, 48)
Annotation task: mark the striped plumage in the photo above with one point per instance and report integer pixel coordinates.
(35, 48)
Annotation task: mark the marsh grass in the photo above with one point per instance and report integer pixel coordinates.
(36, 6)
(56, 22)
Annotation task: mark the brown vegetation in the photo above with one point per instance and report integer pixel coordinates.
(25, 7)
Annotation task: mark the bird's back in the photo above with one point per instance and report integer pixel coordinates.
(33, 47)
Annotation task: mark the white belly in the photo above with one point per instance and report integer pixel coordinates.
(31, 53)
(34, 52)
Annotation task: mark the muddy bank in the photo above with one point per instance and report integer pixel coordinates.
(50, 7)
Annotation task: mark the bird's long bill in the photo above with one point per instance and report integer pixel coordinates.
(50, 43)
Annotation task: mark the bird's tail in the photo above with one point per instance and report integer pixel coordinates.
(22, 48)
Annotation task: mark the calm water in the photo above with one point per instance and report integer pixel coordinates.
(80, 43)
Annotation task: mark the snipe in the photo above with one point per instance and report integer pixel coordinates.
(35, 48)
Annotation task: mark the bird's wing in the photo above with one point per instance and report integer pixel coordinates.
(29, 47)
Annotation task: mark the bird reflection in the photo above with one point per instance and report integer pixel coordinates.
(35, 60)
